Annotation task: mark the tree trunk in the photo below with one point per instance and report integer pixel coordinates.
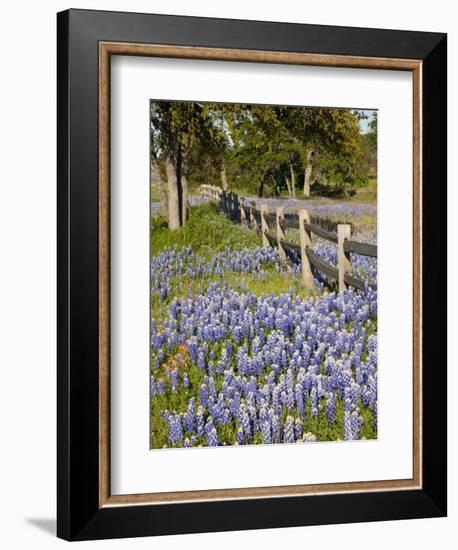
(293, 181)
(156, 179)
(324, 179)
(308, 173)
(261, 186)
(184, 173)
(276, 186)
(288, 186)
(173, 192)
(224, 178)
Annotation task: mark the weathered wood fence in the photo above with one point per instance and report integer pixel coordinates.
(210, 191)
(273, 225)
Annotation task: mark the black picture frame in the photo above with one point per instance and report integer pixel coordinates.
(78, 511)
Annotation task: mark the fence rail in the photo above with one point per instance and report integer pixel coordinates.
(290, 223)
(323, 266)
(327, 235)
(290, 245)
(361, 248)
(272, 228)
(271, 236)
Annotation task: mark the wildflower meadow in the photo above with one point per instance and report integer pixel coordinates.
(241, 354)
(242, 351)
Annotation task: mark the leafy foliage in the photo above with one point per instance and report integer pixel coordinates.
(267, 150)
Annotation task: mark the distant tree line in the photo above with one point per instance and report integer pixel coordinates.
(256, 149)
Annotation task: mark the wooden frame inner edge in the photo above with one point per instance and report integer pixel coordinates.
(106, 49)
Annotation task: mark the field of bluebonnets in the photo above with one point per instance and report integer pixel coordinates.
(242, 353)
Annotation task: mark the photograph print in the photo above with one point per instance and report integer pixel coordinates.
(263, 274)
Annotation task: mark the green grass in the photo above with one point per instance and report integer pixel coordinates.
(154, 196)
(367, 194)
(206, 231)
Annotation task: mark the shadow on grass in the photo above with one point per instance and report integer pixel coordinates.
(319, 190)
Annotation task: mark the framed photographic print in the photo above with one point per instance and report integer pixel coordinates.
(252, 274)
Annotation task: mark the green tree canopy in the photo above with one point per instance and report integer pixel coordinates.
(258, 149)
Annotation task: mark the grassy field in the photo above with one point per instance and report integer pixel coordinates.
(206, 232)
(366, 194)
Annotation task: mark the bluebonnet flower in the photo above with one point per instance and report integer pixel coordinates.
(174, 380)
(190, 417)
(226, 416)
(348, 432)
(193, 348)
(211, 434)
(275, 426)
(160, 387)
(185, 380)
(228, 349)
(245, 420)
(314, 401)
(266, 432)
(204, 395)
(300, 399)
(211, 369)
(298, 428)
(175, 429)
(356, 422)
(200, 422)
(240, 438)
(201, 361)
(331, 408)
(288, 430)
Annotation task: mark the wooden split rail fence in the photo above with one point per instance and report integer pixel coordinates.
(273, 225)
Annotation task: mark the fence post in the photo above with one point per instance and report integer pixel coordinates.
(242, 211)
(280, 233)
(305, 242)
(343, 258)
(264, 226)
(252, 221)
